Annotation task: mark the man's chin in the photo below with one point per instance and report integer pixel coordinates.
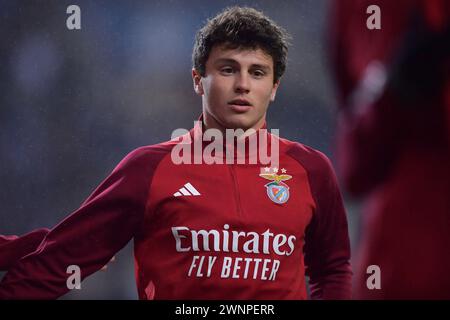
(238, 124)
(239, 121)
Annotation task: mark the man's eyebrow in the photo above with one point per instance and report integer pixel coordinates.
(232, 61)
(261, 66)
(225, 60)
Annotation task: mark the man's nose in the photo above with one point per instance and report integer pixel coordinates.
(242, 84)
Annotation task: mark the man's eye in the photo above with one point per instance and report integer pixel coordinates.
(227, 70)
(258, 73)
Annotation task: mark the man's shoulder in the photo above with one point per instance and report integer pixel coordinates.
(152, 150)
(149, 155)
(321, 174)
(313, 160)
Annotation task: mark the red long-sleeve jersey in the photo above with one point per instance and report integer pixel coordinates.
(203, 231)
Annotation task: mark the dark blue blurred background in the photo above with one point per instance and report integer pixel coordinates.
(74, 103)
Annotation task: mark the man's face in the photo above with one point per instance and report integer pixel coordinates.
(237, 88)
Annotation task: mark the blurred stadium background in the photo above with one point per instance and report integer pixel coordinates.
(74, 103)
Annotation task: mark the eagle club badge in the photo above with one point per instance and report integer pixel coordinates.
(277, 190)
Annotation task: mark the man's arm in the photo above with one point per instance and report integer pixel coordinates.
(90, 236)
(327, 245)
(13, 248)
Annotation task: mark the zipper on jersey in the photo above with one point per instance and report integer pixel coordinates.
(237, 195)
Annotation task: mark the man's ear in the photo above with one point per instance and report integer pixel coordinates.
(198, 86)
(274, 90)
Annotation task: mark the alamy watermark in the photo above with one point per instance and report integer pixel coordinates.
(236, 147)
(374, 280)
(73, 21)
(74, 280)
(373, 22)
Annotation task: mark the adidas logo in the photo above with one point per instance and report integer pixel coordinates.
(187, 190)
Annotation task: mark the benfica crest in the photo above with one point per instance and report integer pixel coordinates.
(277, 190)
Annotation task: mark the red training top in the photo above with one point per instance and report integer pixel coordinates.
(204, 231)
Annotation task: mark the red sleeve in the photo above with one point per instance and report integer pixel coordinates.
(327, 245)
(90, 236)
(13, 248)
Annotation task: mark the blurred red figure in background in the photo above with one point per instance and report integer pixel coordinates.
(393, 138)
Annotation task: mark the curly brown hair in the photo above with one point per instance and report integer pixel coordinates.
(242, 27)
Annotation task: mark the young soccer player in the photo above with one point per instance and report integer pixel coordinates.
(231, 228)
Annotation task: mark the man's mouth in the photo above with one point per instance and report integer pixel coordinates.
(240, 105)
(240, 102)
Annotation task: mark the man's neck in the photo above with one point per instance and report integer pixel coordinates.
(210, 123)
